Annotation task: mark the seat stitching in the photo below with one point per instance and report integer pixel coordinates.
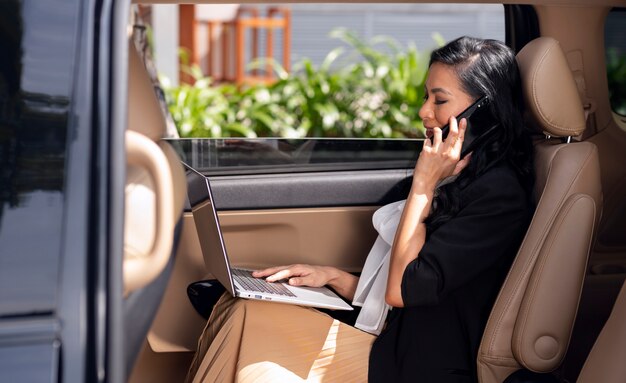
(525, 314)
(532, 259)
(577, 176)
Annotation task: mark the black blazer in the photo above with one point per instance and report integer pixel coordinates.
(449, 290)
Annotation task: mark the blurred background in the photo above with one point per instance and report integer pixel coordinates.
(309, 70)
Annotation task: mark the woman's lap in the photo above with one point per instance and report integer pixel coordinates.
(254, 341)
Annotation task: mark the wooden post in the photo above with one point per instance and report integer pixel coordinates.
(209, 69)
(240, 53)
(287, 39)
(227, 28)
(255, 40)
(286, 27)
(187, 38)
(269, 50)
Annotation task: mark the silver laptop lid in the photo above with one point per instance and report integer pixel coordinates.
(208, 229)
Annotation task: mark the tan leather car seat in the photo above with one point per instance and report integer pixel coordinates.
(532, 319)
(155, 183)
(606, 361)
(155, 196)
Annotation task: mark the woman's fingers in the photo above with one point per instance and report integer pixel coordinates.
(436, 138)
(454, 139)
(459, 135)
(456, 135)
(284, 274)
(462, 128)
(461, 164)
(278, 273)
(297, 275)
(300, 281)
(315, 277)
(453, 134)
(454, 127)
(268, 271)
(440, 159)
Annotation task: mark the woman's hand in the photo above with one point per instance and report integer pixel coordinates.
(313, 276)
(440, 159)
(297, 275)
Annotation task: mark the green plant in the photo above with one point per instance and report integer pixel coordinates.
(377, 96)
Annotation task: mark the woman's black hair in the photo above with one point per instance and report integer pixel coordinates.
(486, 67)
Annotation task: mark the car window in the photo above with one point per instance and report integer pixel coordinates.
(261, 156)
(35, 89)
(347, 70)
(615, 43)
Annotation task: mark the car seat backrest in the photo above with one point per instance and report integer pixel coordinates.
(532, 319)
(606, 361)
(155, 194)
(155, 183)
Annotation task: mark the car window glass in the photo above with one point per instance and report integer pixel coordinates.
(258, 156)
(347, 70)
(615, 43)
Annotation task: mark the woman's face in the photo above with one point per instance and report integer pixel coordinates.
(445, 97)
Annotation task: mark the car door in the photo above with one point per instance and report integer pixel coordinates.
(302, 201)
(62, 173)
(50, 317)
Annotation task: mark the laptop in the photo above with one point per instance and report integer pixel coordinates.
(240, 282)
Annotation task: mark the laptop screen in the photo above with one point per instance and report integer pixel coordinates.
(208, 229)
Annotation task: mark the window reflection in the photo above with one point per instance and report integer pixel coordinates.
(37, 44)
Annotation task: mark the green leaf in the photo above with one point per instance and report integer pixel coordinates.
(330, 58)
(439, 39)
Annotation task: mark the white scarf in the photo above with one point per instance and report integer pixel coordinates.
(370, 292)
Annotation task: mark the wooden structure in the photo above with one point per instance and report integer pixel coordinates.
(232, 51)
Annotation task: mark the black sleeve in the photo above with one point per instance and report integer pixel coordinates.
(494, 216)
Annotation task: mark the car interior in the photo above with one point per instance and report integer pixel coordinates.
(155, 191)
(560, 310)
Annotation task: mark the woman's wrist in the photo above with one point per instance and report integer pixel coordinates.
(342, 282)
(420, 198)
(336, 277)
(422, 186)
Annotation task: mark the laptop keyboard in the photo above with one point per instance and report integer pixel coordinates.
(247, 281)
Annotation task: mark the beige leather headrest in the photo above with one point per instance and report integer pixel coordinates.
(549, 89)
(144, 113)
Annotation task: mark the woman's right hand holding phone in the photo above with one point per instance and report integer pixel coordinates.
(440, 158)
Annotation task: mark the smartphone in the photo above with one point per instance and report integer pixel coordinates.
(479, 125)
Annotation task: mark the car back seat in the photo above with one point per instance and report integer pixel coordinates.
(531, 322)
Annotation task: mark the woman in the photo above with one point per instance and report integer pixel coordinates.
(460, 229)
